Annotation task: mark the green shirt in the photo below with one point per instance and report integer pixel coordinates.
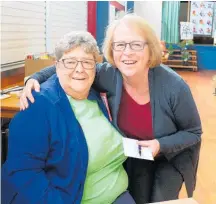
(106, 178)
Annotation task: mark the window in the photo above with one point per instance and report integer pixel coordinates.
(31, 27)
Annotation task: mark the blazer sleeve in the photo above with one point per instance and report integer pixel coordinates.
(187, 121)
(44, 74)
(23, 174)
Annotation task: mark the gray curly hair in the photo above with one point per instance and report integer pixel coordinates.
(76, 39)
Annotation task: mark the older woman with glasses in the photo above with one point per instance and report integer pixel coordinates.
(149, 102)
(63, 149)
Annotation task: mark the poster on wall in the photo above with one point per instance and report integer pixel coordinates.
(201, 15)
(186, 30)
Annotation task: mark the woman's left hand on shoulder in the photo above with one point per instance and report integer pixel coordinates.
(154, 145)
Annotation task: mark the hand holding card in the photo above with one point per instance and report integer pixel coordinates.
(132, 149)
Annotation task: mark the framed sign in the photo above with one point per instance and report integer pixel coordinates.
(186, 30)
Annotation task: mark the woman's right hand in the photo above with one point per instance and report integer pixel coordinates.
(32, 84)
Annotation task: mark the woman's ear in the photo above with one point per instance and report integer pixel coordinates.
(56, 64)
(57, 67)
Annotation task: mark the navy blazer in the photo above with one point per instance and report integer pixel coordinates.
(47, 153)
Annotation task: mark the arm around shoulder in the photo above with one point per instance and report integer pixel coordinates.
(44, 74)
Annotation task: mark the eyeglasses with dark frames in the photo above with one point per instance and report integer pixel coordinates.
(71, 63)
(134, 45)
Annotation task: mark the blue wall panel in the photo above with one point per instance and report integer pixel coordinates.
(206, 56)
(102, 20)
(130, 6)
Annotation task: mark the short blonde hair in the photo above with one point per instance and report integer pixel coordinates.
(138, 23)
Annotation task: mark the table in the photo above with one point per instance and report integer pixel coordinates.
(10, 106)
(180, 201)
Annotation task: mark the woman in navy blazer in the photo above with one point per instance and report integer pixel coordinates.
(48, 153)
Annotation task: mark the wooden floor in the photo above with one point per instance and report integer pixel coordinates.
(202, 88)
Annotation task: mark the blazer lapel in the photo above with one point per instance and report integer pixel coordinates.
(64, 104)
(151, 92)
(72, 123)
(117, 97)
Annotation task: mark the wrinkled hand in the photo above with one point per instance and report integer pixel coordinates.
(154, 145)
(31, 84)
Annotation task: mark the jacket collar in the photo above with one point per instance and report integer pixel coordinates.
(58, 97)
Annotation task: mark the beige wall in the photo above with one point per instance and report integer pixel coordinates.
(152, 12)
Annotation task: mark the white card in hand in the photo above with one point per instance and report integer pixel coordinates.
(131, 149)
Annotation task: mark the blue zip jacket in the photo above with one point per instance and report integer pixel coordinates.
(47, 153)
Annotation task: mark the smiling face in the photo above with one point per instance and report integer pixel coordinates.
(76, 82)
(130, 62)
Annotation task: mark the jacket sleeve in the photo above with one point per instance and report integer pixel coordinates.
(44, 74)
(24, 172)
(187, 121)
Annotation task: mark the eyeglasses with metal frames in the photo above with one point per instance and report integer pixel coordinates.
(71, 63)
(134, 45)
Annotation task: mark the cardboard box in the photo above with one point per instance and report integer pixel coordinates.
(32, 66)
